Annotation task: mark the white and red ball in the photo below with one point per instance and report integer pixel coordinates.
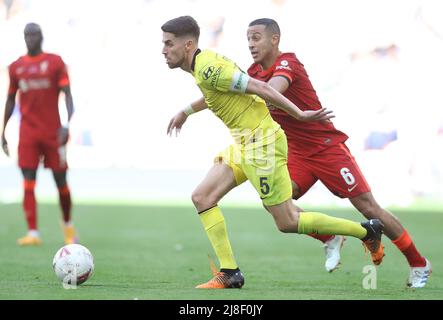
(73, 264)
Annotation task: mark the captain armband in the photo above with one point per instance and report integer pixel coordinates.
(239, 82)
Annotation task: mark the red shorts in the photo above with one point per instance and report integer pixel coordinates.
(33, 149)
(335, 167)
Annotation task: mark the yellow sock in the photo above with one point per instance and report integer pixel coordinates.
(215, 226)
(316, 222)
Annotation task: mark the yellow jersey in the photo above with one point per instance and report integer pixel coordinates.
(223, 85)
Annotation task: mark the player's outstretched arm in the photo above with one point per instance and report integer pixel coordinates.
(269, 94)
(180, 118)
(9, 108)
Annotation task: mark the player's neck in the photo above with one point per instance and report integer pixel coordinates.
(188, 66)
(270, 59)
(34, 53)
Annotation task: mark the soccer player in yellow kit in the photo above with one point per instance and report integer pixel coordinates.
(259, 152)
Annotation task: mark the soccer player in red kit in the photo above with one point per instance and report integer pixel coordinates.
(317, 151)
(39, 77)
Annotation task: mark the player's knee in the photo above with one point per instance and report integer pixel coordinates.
(284, 228)
(201, 200)
(29, 174)
(196, 198)
(60, 183)
(60, 178)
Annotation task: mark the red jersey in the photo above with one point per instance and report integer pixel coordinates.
(38, 80)
(305, 138)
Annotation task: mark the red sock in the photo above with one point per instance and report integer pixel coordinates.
(29, 204)
(404, 244)
(65, 202)
(322, 237)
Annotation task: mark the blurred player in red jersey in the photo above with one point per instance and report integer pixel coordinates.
(317, 151)
(39, 77)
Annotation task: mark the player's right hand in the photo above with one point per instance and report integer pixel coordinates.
(318, 115)
(176, 123)
(5, 146)
(63, 136)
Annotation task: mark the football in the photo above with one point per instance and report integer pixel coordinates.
(73, 264)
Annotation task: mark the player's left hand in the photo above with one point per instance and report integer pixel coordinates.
(318, 115)
(63, 135)
(5, 146)
(177, 122)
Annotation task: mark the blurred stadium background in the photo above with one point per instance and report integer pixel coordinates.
(376, 63)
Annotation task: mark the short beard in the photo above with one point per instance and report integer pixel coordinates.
(178, 64)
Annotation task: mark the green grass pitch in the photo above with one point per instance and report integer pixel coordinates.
(148, 252)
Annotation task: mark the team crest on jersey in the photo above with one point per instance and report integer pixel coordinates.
(284, 63)
(44, 66)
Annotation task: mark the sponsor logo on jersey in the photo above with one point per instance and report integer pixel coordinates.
(283, 67)
(284, 63)
(208, 72)
(34, 84)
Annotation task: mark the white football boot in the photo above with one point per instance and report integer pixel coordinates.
(332, 252)
(418, 276)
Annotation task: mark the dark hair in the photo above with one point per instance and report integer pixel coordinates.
(182, 26)
(33, 26)
(270, 25)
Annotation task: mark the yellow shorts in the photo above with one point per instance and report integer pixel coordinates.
(265, 166)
